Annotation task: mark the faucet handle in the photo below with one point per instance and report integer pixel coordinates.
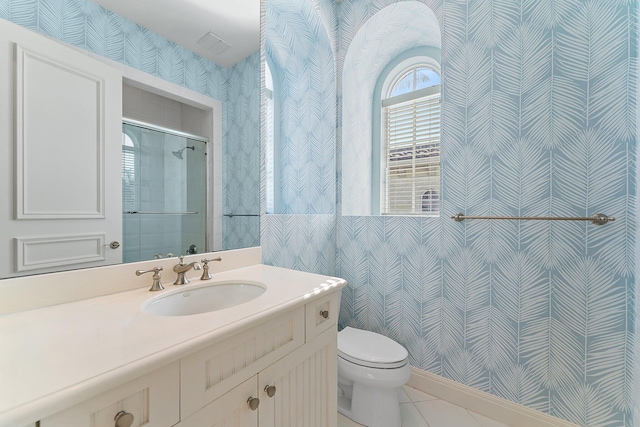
(207, 261)
(205, 267)
(181, 258)
(156, 286)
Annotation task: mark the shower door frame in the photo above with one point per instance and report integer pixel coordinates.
(187, 136)
(170, 131)
(212, 106)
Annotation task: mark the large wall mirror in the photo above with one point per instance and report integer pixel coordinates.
(178, 169)
(300, 108)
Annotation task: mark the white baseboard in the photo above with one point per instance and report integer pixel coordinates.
(483, 403)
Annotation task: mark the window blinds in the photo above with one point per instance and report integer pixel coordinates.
(129, 199)
(412, 156)
(270, 152)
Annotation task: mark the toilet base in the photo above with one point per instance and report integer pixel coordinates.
(372, 407)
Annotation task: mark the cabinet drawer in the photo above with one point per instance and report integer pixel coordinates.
(321, 314)
(209, 373)
(152, 399)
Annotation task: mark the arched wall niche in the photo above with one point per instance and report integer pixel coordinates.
(392, 31)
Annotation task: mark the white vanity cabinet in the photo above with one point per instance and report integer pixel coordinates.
(288, 363)
(299, 390)
(211, 372)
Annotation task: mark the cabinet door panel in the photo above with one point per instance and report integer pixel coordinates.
(306, 386)
(230, 410)
(208, 374)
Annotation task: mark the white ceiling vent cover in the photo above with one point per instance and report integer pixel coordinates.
(213, 43)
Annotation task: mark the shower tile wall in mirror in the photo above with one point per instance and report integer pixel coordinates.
(88, 26)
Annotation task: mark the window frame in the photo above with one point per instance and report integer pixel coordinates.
(420, 57)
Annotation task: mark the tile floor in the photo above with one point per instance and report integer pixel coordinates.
(423, 410)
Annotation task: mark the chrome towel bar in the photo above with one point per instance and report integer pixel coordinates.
(597, 219)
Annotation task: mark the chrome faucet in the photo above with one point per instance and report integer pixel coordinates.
(156, 286)
(205, 268)
(182, 268)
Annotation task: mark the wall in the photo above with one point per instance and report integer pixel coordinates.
(88, 26)
(538, 119)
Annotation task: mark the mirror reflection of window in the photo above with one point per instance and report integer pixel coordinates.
(411, 143)
(129, 175)
(269, 137)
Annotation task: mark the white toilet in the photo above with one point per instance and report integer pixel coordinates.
(371, 368)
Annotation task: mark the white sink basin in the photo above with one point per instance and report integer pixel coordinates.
(196, 299)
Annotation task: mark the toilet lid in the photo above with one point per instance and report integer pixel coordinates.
(370, 349)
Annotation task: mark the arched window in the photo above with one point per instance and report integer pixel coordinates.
(269, 139)
(410, 137)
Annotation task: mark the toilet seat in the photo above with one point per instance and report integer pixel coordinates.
(370, 349)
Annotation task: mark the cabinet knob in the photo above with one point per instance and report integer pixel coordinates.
(123, 419)
(253, 403)
(324, 314)
(270, 390)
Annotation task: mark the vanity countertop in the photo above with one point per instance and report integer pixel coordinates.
(55, 357)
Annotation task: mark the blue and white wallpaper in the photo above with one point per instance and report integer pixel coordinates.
(300, 242)
(89, 26)
(539, 119)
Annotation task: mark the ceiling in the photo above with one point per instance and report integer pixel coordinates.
(184, 22)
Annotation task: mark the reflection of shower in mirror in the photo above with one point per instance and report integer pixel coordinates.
(178, 153)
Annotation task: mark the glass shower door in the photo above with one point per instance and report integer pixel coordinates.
(164, 190)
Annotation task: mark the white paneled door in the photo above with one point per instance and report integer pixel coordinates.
(60, 155)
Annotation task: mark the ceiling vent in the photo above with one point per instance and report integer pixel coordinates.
(213, 43)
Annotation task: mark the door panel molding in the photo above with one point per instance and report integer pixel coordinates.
(33, 253)
(59, 125)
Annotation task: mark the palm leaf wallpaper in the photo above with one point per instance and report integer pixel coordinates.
(539, 119)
